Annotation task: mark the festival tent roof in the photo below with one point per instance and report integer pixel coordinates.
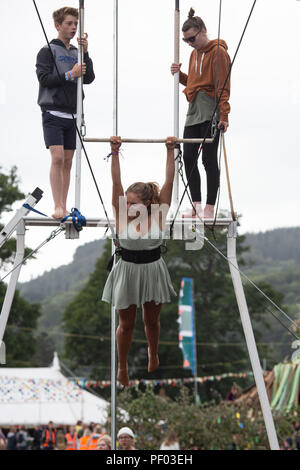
(283, 388)
(33, 396)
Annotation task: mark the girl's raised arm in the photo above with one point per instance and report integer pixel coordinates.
(117, 188)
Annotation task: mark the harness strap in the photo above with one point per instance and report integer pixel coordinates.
(140, 256)
(137, 256)
(78, 220)
(27, 206)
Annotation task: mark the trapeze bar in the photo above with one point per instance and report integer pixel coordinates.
(149, 141)
(97, 222)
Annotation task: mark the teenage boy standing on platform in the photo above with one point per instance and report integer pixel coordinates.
(58, 100)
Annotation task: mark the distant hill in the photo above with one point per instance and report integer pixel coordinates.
(274, 256)
(63, 278)
(281, 244)
(56, 288)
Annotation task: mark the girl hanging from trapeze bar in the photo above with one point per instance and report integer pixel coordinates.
(140, 278)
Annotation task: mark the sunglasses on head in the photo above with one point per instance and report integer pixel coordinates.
(191, 39)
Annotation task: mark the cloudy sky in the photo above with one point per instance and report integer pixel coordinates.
(262, 140)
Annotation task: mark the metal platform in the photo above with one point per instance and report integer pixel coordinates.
(99, 222)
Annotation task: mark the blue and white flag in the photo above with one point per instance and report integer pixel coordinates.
(186, 324)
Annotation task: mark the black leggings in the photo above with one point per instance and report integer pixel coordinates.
(209, 160)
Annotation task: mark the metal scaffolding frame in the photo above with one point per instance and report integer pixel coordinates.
(22, 221)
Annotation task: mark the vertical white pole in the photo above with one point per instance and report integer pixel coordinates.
(79, 111)
(250, 340)
(115, 70)
(10, 292)
(175, 196)
(113, 311)
(113, 380)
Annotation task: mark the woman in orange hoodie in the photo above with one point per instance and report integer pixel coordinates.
(208, 68)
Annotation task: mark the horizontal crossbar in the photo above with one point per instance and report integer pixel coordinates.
(148, 141)
(98, 222)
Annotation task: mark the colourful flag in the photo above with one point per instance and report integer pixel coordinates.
(187, 335)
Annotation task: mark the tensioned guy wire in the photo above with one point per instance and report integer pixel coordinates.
(257, 288)
(52, 235)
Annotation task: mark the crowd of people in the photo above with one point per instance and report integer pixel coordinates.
(79, 437)
(50, 437)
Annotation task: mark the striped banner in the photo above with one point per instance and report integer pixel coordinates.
(186, 324)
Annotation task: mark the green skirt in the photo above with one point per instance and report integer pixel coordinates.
(134, 284)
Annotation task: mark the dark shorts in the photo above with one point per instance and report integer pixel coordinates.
(59, 131)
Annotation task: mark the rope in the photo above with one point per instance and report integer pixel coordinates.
(83, 126)
(78, 220)
(228, 179)
(114, 235)
(180, 165)
(214, 123)
(219, 188)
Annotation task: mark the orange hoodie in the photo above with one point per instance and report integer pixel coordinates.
(202, 74)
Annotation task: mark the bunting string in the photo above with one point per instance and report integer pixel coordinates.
(154, 382)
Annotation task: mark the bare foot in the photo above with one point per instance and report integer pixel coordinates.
(122, 377)
(192, 213)
(209, 211)
(153, 362)
(58, 213)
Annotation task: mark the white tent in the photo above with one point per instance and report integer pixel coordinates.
(32, 396)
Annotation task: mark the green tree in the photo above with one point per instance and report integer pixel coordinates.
(9, 193)
(19, 336)
(87, 321)
(225, 426)
(44, 350)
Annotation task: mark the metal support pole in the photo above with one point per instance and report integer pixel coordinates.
(79, 110)
(10, 292)
(113, 371)
(115, 69)
(175, 196)
(113, 311)
(250, 340)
